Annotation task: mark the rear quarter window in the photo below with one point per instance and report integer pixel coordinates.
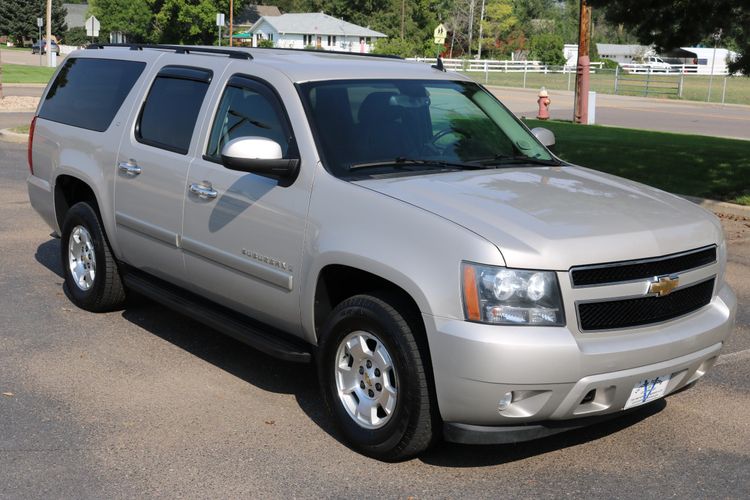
(87, 93)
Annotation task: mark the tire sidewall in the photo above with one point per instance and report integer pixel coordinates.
(82, 214)
(385, 328)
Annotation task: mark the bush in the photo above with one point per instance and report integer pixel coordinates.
(265, 43)
(609, 63)
(548, 48)
(76, 36)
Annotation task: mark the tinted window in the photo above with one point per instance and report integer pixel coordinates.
(248, 108)
(387, 122)
(171, 109)
(87, 93)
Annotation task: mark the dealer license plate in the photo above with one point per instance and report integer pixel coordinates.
(647, 390)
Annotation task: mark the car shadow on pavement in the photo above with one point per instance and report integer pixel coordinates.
(458, 455)
(300, 380)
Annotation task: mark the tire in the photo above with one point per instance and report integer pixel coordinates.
(371, 357)
(91, 273)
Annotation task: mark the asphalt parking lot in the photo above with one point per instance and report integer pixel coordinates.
(144, 402)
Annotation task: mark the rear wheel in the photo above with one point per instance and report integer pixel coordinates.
(373, 377)
(91, 273)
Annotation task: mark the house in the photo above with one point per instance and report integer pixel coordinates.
(314, 30)
(250, 14)
(703, 58)
(76, 14)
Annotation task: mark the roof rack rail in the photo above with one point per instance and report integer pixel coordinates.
(339, 52)
(179, 49)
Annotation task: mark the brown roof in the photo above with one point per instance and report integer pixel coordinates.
(250, 14)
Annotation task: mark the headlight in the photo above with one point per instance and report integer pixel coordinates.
(511, 296)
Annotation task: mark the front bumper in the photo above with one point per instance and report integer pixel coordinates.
(552, 371)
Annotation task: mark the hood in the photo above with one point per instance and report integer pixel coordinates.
(558, 217)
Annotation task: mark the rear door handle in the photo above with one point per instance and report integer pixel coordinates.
(129, 167)
(203, 190)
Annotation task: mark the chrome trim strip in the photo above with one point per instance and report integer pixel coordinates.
(639, 261)
(145, 228)
(242, 264)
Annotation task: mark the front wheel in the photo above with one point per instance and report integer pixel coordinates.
(373, 377)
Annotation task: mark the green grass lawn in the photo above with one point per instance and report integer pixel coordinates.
(708, 167)
(23, 129)
(20, 73)
(695, 87)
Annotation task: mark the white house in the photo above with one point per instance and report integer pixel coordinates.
(703, 57)
(317, 30)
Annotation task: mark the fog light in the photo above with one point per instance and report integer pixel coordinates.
(505, 402)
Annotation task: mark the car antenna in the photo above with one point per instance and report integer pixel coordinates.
(439, 65)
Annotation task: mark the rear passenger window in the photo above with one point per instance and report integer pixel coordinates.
(87, 93)
(171, 109)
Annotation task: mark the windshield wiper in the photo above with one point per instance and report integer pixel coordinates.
(515, 160)
(402, 161)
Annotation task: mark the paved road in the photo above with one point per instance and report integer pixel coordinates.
(26, 57)
(145, 402)
(638, 112)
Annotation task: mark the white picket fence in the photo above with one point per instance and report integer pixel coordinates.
(498, 66)
(677, 69)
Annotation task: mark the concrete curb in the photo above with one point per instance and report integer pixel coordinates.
(9, 136)
(720, 206)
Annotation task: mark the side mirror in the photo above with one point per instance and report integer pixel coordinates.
(258, 155)
(545, 136)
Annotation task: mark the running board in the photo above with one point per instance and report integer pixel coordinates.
(255, 334)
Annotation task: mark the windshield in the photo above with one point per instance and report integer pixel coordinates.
(373, 127)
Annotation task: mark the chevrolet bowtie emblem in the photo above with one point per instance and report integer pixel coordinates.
(663, 285)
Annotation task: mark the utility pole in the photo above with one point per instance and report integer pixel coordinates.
(717, 36)
(472, 3)
(581, 113)
(49, 34)
(231, 23)
(481, 18)
(403, 17)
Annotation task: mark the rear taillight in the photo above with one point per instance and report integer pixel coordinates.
(31, 142)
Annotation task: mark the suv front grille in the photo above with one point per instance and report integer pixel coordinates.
(635, 270)
(640, 311)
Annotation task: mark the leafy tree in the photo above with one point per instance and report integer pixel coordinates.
(548, 48)
(76, 36)
(133, 17)
(673, 23)
(18, 18)
(188, 21)
(499, 20)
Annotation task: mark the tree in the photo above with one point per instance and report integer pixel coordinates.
(188, 21)
(499, 20)
(133, 17)
(18, 18)
(76, 36)
(548, 48)
(674, 23)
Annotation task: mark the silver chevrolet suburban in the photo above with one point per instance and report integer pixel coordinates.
(393, 223)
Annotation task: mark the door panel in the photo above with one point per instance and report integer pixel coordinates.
(244, 247)
(152, 167)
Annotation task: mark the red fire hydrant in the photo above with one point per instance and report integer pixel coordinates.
(543, 103)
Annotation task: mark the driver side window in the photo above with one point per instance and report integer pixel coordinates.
(248, 109)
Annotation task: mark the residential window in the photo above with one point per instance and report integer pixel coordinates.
(331, 40)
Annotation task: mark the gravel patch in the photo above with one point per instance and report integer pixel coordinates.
(18, 103)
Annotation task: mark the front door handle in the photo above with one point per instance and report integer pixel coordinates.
(204, 191)
(129, 167)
